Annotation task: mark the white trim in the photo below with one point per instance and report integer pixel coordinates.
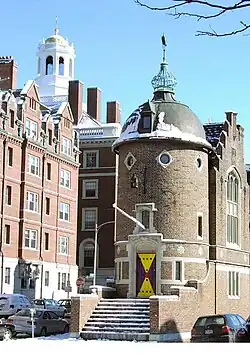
(85, 159)
(158, 158)
(84, 188)
(121, 259)
(233, 268)
(126, 160)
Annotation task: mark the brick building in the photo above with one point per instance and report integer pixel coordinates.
(187, 183)
(97, 186)
(39, 186)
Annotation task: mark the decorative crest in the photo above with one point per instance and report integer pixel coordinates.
(56, 27)
(164, 80)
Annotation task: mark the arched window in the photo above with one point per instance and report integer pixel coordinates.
(49, 65)
(61, 66)
(70, 67)
(233, 209)
(39, 65)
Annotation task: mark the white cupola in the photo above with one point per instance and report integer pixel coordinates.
(55, 65)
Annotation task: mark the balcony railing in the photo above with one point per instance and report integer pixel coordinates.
(108, 131)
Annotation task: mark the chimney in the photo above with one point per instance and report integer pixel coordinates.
(94, 102)
(75, 95)
(8, 73)
(113, 112)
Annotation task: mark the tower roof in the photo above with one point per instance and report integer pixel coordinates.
(56, 38)
(163, 117)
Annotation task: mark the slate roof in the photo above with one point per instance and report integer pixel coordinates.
(213, 131)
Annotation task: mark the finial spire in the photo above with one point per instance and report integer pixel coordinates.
(164, 81)
(56, 28)
(164, 44)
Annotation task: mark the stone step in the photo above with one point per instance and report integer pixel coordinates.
(116, 329)
(121, 311)
(120, 315)
(88, 335)
(115, 324)
(115, 307)
(119, 319)
(122, 304)
(125, 301)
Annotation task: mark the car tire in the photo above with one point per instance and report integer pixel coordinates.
(43, 332)
(66, 329)
(8, 334)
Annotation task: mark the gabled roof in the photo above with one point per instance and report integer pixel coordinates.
(27, 87)
(86, 121)
(213, 132)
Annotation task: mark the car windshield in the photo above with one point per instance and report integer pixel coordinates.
(26, 313)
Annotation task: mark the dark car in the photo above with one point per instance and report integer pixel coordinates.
(217, 328)
(243, 334)
(6, 330)
(66, 303)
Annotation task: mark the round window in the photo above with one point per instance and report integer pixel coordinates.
(198, 162)
(130, 161)
(165, 158)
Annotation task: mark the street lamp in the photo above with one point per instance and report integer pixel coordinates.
(97, 228)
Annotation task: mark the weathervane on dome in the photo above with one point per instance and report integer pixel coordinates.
(56, 28)
(164, 81)
(164, 44)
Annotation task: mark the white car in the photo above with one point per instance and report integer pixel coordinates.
(11, 303)
(50, 304)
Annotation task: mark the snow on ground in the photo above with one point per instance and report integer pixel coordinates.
(63, 344)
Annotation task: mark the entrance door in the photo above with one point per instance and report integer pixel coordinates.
(145, 274)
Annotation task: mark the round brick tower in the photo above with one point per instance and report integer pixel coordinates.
(163, 183)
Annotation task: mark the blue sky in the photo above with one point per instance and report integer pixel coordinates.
(118, 49)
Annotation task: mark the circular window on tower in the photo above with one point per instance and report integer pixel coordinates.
(198, 163)
(164, 159)
(129, 161)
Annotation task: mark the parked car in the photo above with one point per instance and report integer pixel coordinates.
(50, 304)
(46, 322)
(243, 334)
(65, 303)
(217, 328)
(6, 330)
(11, 303)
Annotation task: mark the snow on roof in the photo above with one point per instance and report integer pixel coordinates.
(26, 87)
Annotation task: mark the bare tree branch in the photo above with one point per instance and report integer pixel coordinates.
(175, 10)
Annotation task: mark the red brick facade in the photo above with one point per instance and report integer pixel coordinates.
(39, 188)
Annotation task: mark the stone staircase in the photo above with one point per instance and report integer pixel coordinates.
(119, 319)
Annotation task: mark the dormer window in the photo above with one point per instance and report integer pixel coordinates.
(61, 66)
(49, 65)
(146, 122)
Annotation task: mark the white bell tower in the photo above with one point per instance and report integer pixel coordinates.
(55, 65)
